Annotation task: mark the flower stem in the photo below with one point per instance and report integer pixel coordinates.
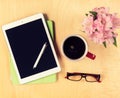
(115, 42)
(104, 43)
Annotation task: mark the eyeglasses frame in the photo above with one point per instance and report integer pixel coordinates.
(83, 75)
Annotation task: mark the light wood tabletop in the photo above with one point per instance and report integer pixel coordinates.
(67, 16)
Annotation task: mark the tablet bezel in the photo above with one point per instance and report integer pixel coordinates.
(22, 22)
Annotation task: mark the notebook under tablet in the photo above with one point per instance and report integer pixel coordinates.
(31, 48)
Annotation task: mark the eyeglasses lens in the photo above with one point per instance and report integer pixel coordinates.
(91, 78)
(75, 78)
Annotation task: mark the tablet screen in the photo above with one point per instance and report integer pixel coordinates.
(26, 42)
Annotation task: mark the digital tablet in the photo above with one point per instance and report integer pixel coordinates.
(31, 48)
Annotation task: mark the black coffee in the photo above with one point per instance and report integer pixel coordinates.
(74, 47)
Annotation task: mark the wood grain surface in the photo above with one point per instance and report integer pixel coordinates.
(67, 16)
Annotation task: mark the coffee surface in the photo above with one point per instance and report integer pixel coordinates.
(74, 47)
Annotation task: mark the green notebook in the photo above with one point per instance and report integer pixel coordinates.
(48, 79)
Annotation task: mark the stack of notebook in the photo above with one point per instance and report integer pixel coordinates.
(47, 79)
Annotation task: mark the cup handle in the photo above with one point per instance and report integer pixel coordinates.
(91, 55)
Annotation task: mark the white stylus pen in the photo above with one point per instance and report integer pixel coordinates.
(40, 54)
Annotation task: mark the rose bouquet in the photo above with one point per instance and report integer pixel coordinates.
(100, 26)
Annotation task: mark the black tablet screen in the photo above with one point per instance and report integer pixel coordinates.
(26, 42)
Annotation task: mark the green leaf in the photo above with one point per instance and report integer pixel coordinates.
(104, 43)
(86, 14)
(94, 14)
(115, 41)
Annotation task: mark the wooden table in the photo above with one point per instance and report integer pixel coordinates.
(68, 16)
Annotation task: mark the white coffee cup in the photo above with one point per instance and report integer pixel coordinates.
(75, 47)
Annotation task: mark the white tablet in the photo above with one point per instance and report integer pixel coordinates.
(31, 48)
